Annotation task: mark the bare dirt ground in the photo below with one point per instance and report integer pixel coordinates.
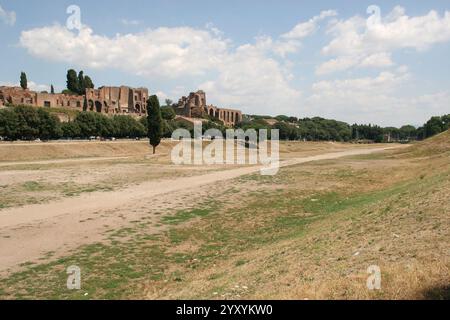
(30, 231)
(140, 227)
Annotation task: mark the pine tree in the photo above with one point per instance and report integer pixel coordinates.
(23, 81)
(154, 122)
(52, 89)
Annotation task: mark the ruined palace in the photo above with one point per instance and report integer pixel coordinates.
(110, 100)
(194, 106)
(117, 100)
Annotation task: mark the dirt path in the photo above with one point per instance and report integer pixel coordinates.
(14, 163)
(26, 233)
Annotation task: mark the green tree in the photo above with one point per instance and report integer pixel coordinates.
(81, 83)
(23, 81)
(72, 81)
(408, 132)
(52, 89)
(49, 125)
(9, 122)
(168, 102)
(154, 122)
(88, 84)
(167, 113)
(94, 124)
(28, 122)
(70, 130)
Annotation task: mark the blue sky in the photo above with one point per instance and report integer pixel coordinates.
(302, 58)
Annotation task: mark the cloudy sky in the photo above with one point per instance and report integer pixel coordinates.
(360, 61)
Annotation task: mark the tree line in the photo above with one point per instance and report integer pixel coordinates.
(29, 123)
(320, 129)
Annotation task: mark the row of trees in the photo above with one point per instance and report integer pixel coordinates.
(320, 129)
(28, 123)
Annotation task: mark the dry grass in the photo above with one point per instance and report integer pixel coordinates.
(309, 232)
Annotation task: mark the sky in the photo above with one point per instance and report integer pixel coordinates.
(380, 62)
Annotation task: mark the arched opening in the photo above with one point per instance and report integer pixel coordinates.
(211, 112)
(137, 108)
(106, 108)
(91, 105)
(98, 106)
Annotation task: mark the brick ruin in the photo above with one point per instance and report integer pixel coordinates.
(108, 100)
(117, 100)
(194, 106)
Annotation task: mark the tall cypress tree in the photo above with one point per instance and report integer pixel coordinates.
(72, 81)
(23, 80)
(52, 89)
(154, 122)
(88, 84)
(81, 84)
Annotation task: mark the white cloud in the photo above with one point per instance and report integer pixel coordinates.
(305, 29)
(376, 60)
(289, 41)
(250, 80)
(357, 43)
(7, 17)
(167, 52)
(243, 77)
(374, 100)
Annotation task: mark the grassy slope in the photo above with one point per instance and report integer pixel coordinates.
(309, 232)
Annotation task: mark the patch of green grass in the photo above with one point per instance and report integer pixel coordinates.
(33, 186)
(185, 215)
(181, 216)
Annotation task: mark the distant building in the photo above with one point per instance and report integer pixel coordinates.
(117, 100)
(194, 106)
(108, 100)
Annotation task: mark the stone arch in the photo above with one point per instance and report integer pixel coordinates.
(211, 112)
(106, 107)
(91, 105)
(137, 107)
(98, 106)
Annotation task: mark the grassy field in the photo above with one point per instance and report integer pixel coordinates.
(309, 232)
